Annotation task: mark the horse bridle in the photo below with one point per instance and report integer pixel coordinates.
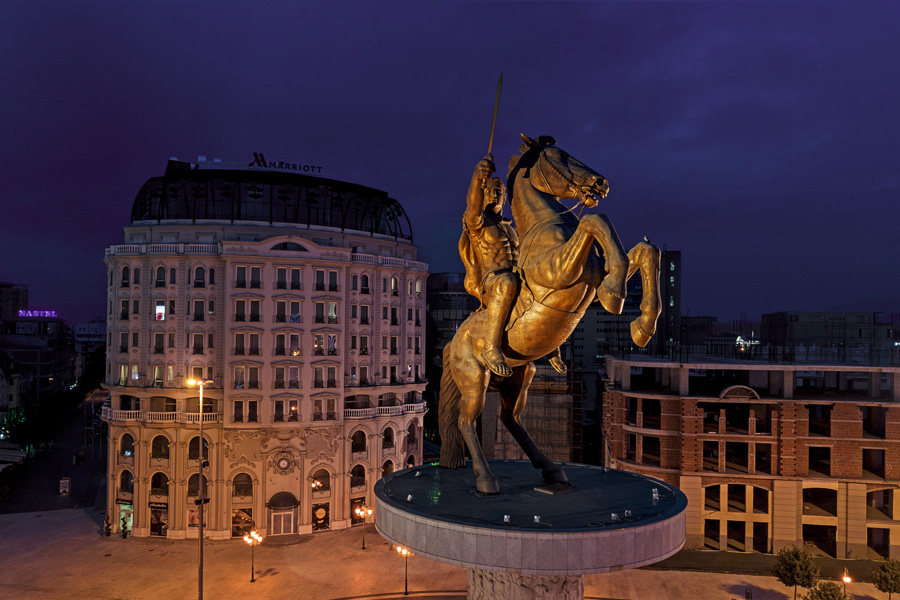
(571, 186)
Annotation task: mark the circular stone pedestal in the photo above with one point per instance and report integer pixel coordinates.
(526, 543)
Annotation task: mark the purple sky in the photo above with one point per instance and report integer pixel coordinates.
(762, 139)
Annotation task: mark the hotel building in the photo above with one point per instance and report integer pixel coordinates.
(300, 302)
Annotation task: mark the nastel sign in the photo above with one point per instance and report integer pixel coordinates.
(259, 160)
(37, 313)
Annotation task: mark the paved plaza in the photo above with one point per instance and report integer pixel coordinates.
(63, 554)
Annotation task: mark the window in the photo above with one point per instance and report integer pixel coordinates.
(418, 321)
(212, 277)
(238, 411)
(394, 349)
(418, 288)
(320, 312)
(332, 281)
(417, 347)
(211, 307)
(252, 411)
(254, 311)
(194, 446)
(354, 311)
(123, 341)
(158, 343)
(384, 313)
(279, 378)
(364, 284)
(332, 377)
(278, 414)
(239, 378)
(172, 276)
(364, 375)
(136, 276)
(294, 377)
(198, 344)
(293, 410)
(160, 312)
(295, 344)
(240, 278)
(199, 277)
(160, 447)
(124, 313)
(171, 343)
(295, 312)
(134, 372)
(256, 277)
(363, 344)
(197, 372)
(253, 377)
(318, 345)
(353, 342)
(295, 279)
(126, 277)
(410, 287)
(364, 315)
(135, 339)
(280, 311)
(387, 439)
(384, 285)
(395, 319)
(354, 282)
(395, 287)
(240, 310)
(126, 446)
(160, 277)
(254, 344)
(320, 281)
(209, 340)
(280, 349)
(281, 278)
(199, 310)
(318, 377)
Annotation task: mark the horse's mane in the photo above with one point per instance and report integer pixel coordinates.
(527, 159)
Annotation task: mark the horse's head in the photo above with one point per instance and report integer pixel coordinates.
(554, 171)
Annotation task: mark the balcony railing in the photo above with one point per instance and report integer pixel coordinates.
(144, 416)
(390, 411)
(359, 413)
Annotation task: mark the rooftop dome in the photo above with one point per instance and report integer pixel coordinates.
(271, 197)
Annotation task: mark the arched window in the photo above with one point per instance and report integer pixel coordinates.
(357, 476)
(126, 277)
(126, 482)
(411, 462)
(364, 284)
(358, 442)
(199, 277)
(321, 481)
(126, 445)
(172, 276)
(194, 448)
(160, 277)
(387, 438)
(160, 447)
(410, 287)
(136, 276)
(242, 485)
(212, 276)
(354, 280)
(159, 484)
(111, 277)
(194, 485)
(411, 434)
(418, 288)
(387, 468)
(395, 286)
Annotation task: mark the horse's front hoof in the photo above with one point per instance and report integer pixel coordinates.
(641, 338)
(554, 476)
(613, 303)
(489, 486)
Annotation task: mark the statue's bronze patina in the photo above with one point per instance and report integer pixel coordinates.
(561, 271)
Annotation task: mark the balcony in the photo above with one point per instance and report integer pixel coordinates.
(279, 385)
(281, 318)
(390, 411)
(197, 350)
(364, 351)
(332, 287)
(123, 349)
(359, 413)
(320, 287)
(254, 318)
(294, 384)
(331, 383)
(144, 416)
(281, 285)
(295, 317)
(158, 350)
(364, 290)
(240, 283)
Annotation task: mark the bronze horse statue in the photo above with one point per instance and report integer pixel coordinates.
(562, 273)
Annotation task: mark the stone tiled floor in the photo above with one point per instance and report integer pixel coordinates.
(61, 554)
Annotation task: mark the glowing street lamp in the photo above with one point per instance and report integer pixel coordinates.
(253, 539)
(363, 511)
(405, 553)
(316, 485)
(201, 463)
(846, 579)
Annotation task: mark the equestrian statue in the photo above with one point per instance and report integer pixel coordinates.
(535, 281)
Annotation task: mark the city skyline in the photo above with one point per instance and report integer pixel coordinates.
(757, 139)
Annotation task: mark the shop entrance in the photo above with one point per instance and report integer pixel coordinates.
(159, 518)
(126, 516)
(281, 514)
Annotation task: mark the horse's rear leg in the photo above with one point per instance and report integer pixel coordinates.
(513, 396)
(645, 256)
(472, 380)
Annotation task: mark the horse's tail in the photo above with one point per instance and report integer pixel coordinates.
(453, 454)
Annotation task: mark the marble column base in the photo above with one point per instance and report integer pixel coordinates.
(493, 585)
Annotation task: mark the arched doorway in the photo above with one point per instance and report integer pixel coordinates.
(282, 512)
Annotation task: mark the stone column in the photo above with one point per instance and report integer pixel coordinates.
(786, 523)
(491, 585)
(875, 384)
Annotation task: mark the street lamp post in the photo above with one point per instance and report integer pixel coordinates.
(405, 554)
(254, 539)
(200, 463)
(363, 511)
(846, 579)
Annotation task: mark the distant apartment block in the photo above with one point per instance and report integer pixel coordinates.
(769, 455)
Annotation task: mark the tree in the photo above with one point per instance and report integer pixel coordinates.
(886, 577)
(795, 566)
(826, 590)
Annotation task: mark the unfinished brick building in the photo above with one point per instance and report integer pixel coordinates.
(769, 455)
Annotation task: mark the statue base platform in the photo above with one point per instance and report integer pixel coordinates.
(524, 543)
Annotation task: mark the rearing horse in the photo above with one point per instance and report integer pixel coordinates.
(562, 273)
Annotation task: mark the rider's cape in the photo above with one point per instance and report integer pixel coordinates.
(474, 268)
